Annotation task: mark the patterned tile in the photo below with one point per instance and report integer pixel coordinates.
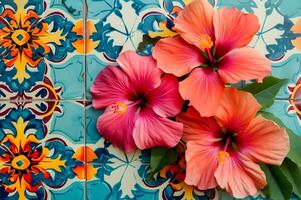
(41, 42)
(42, 57)
(116, 26)
(41, 150)
(289, 112)
(119, 25)
(279, 37)
(112, 173)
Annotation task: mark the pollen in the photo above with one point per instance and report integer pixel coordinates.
(222, 157)
(119, 108)
(205, 42)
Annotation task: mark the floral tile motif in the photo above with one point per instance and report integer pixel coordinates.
(40, 41)
(289, 112)
(114, 174)
(49, 146)
(116, 26)
(119, 25)
(41, 154)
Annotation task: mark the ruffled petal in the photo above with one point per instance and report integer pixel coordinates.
(204, 89)
(141, 70)
(176, 56)
(237, 109)
(116, 124)
(111, 85)
(151, 130)
(233, 29)
(197, 127)
(244, 64)
(195, 20)
(264, 141)
(240, 176)
(166, 100)
(201, 164)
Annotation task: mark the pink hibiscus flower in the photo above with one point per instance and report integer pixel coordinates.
(210, 50)
(138, 102)
(224, 150)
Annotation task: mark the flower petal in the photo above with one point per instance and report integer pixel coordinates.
(152, 130)
(201, 135)
(237, 109)
(195, 20)
(240, 176)
(244, 64)
(141, 70)
(117, 127)
(110, 86)
(176, 56)
(201, 164)
(166, 100)
(197, 127)
(204, 89)
(233, 29)
(264, 141)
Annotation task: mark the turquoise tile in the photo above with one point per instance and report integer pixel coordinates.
(41, 150)
(115, 174)
(289, 113)
(41, 54)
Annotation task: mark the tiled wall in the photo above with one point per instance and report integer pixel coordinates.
(49, 146)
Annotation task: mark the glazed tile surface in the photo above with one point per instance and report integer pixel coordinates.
(48, 62)
(41, 42)
(41, 151)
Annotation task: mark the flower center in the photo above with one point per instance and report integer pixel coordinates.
(119, 108)
(142, 101)
(228, 142)
(20, 37)
(20, 162)
(205, 42)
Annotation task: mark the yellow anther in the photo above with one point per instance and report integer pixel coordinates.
(205, 42)
(222, 157)
(119, 108)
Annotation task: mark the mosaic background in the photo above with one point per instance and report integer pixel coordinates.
(49, 146)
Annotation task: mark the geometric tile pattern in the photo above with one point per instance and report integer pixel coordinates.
(50, 53)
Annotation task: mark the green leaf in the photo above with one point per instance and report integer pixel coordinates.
(223, 195)
(266, 91)
(295, 140)
(147, 40)
(278, 185)
(160, 157)
(293, 173)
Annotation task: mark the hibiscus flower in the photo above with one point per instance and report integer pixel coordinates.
(225, 149)
(138, 102)
(211, 50)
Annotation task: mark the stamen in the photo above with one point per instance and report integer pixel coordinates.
(227, 144)
(119, 108)
(222, 157)
(205, 42)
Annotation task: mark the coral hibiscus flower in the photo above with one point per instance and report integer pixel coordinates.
(224, 150)
(137, 101)
(210, 50)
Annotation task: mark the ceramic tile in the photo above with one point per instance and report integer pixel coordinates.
(115, 174)
(116, 26)
(41, 49)
(279, 36)
(47, 62)
(289, 112)
(41, 150)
